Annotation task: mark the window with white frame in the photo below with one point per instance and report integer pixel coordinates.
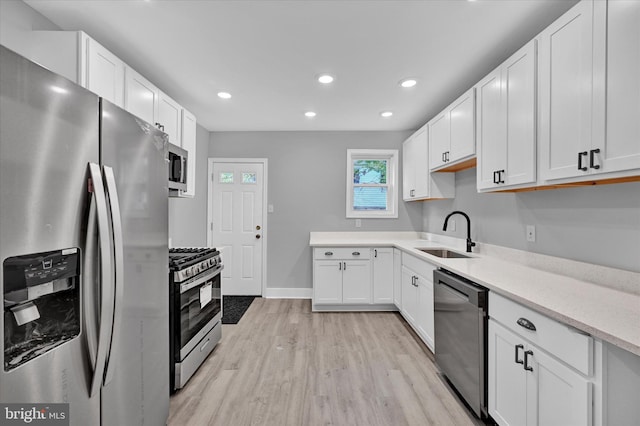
(372, 176)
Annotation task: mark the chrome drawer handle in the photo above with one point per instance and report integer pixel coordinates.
(523, 322)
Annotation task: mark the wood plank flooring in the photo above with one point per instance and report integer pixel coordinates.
(284, 365)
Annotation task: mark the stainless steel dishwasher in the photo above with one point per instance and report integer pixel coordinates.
(460, 315)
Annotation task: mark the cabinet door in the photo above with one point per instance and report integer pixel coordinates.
(439, 137)
(462, 123)
(170, 117)
(565, 93)
(104, 73)
(492, 144)
(519, 100)
(408, 169)
(424, 312)
(189, 129)
(507, 379)
(556, 395)
(356, 281)
(397, 278)
(383, 273)
(327, 282)
(140, 96)
(421, 163)
(409, 296)
(620, 149)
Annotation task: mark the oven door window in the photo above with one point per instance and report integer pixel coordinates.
(198, 306)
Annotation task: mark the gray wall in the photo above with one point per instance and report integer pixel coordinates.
(188, 216)
(17, 19)
(597, 224)
(307, 187)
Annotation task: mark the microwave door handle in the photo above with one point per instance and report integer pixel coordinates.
(106, 277)
(118, 252)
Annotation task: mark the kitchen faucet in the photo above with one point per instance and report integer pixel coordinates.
(469, 242)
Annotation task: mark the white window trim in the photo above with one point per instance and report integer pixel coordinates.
(392, 182)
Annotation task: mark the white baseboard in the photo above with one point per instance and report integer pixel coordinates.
(288, 293)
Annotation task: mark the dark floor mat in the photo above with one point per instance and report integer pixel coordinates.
(234, 307)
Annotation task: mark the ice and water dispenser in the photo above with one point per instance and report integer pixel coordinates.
(41, 304)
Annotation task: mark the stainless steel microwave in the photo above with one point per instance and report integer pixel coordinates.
(177, 169)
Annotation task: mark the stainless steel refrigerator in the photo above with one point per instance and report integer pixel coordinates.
(83, 247)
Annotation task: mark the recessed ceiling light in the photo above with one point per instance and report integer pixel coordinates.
(310, 114)
(325, 79)
(224, 95)
(408, 82)
(386, 114)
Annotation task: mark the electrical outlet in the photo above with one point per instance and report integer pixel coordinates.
(358, 223)
(531, 233)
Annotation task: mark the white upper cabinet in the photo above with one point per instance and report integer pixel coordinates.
(565, 94)
(506, 125)
(141, 97)
(589, 93)
(617, 47)
(170, 118)
(452, 134)
(417, 182)
(104, 73)
(189, 126)
(81, 59)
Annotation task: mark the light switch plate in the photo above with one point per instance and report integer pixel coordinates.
(358, 223)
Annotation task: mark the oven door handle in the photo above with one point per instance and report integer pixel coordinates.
(203, 279)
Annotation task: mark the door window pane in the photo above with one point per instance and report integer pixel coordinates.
(226, 177)
(248, 177)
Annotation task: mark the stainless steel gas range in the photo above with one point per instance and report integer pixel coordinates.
(195, 310)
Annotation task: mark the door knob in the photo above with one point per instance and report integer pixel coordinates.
(257, 236)
(258, 227)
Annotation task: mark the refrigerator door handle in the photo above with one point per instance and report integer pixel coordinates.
(106, 278)
(118, 251)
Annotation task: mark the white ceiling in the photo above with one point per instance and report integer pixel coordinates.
(267, 54)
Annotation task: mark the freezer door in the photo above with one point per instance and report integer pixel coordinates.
(48, 136)
(136, 389)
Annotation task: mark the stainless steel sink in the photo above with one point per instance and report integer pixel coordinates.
(440, 252)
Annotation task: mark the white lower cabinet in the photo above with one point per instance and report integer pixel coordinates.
(397, 278)
(362, 278)
(383, 274)
(417, 297)
(529, 383)
(356, 281)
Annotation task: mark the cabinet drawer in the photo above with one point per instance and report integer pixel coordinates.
(561, 340)
(344, 253)
(419, 266)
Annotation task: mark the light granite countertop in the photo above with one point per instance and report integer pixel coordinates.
(606, 312)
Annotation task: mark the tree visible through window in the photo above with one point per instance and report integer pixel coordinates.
(371, 183)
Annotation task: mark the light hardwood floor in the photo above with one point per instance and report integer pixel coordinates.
(284, 365)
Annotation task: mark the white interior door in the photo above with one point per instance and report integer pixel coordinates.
(237, 227)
